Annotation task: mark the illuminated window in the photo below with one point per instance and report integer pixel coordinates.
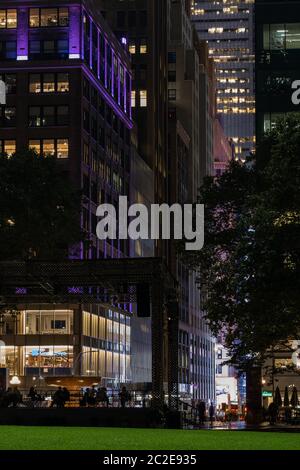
(63, 82)
(143, 98)
(143, 47)
(62, 148)
(133, 99)
(132, 47)
(8, 19)
(35, 145)
(34, 17)
(49, 83)
(48, 17)
(49, 147)
(8, 147)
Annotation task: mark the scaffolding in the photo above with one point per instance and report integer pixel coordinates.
(112, 282)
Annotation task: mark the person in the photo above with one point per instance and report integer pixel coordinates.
(58, 398)
(32, 394)
(201, 411)
(101, 396)
(273, 411)
(287, 414)
(211, 413)
(86, 397)
(65, 395)
(125, 397)
(15, 397)
(92, 396)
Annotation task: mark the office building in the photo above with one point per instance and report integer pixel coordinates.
(191, 95)
(68, 85)
(277, 61)
(277, 69)
(169, 70)
(227, 27)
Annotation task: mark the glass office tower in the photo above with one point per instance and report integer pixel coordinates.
(227, 26)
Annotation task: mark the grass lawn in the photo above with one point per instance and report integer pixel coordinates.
(59, 438)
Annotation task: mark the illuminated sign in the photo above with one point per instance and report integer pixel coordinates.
(265, 393)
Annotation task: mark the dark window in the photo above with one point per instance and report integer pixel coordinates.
(172, 75)
(121, 19)
(8, 116)
(43, 116)
(172, 57)
(86, 120)
(143, 18)
(131, 19)
(8, 50)
(48, 49)
(10, 80)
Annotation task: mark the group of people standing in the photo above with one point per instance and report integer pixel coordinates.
(98, 397)
(10, 397)
(201, 409)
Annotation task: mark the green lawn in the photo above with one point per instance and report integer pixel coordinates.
(58, 438)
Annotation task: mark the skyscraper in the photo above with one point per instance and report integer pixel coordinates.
(227, 26)
(68, 84)
(173, 106)
(277, 61)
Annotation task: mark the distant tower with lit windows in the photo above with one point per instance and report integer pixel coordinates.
(227, 26)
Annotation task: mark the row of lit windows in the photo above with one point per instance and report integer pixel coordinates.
(48, 17)
(38, 17)
(233, 91)
(134, 48)
(48, 147)
(234, 100)
(233, 71)
(140, 95)
(236, 110)
(243, 140)
(233, 80)
(8, 19)
(230, 58)
(51, 147)
(281, 36)
(49, 83)
(220, 30)
(227, 10)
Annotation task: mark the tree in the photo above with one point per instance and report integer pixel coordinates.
(39, 209)
(286, 401)
(250, 264)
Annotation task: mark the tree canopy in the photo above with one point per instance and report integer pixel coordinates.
(249, 267)
(39, 209)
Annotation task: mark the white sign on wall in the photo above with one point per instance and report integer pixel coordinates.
(296, 93)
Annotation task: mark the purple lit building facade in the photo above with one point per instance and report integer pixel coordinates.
(68, 86)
